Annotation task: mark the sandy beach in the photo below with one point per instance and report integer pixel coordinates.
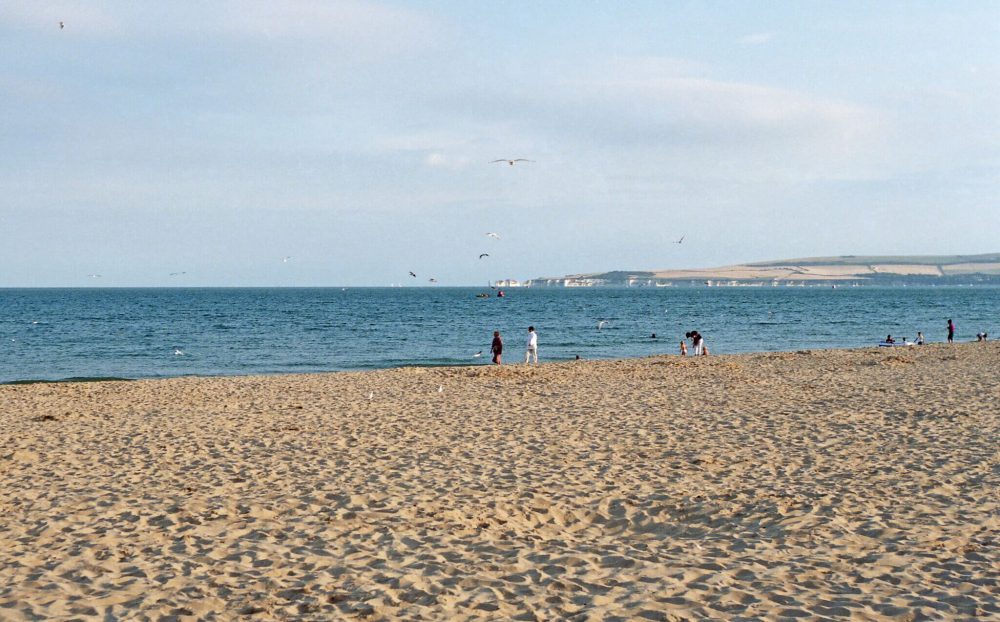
(855, 484)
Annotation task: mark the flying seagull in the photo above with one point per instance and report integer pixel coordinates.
(94, 276)
(477, 354)
(495, 236)
(177, 273)
(680, 240)
(413, 275)
(511, 162)
(601, 324)
(432, 280)
(61, 25)
(484, 255)
(286, 259)
(178, 352)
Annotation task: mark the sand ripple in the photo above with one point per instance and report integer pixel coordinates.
(818, 485)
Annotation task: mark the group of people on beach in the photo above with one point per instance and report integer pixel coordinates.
(697, 344)
(983, 336)
(890, 340)
(531, 351)
(531, 347)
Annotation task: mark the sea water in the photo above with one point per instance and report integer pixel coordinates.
(56, 334)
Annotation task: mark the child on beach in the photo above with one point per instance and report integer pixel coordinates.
(684, 348)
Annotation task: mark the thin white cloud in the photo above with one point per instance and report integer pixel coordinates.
(363, 26)
(734, 103)
(727, 128)
(358, 19)
(757, 38)
(456, 148)
(78, 17)
(438, 159)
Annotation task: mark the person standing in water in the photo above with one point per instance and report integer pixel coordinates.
(951, 331)
(497, 347)
(532, 346)
(920, 338)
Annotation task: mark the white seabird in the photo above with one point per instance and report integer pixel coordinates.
(511, 162)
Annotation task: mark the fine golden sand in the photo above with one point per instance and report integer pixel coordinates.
(818, 485)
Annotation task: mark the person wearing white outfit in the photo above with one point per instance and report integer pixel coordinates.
(532, 351)
(696, 342)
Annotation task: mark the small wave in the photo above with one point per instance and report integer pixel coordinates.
(70, 379)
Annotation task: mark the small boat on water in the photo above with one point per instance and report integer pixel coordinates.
(482, 295)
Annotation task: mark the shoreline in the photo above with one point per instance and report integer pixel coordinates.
(99, 379)
(825, 484)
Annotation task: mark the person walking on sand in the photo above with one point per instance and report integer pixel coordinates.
(497, 347)
(532, 351)
(951, 331)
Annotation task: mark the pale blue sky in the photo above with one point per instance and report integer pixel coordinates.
(217, 138)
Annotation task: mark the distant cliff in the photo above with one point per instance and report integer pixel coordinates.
(843, 271)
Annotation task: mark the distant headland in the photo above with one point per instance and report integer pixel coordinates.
(843, 271)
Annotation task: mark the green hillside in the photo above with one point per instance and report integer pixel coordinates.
(864, 260)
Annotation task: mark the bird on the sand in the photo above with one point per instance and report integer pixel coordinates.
(495, 236)
(484, 255)
(371, 394)
(511, 162)
(440, 388)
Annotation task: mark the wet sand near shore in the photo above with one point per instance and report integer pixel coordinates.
(859, 484)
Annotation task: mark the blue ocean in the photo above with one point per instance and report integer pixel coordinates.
(59, 334)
